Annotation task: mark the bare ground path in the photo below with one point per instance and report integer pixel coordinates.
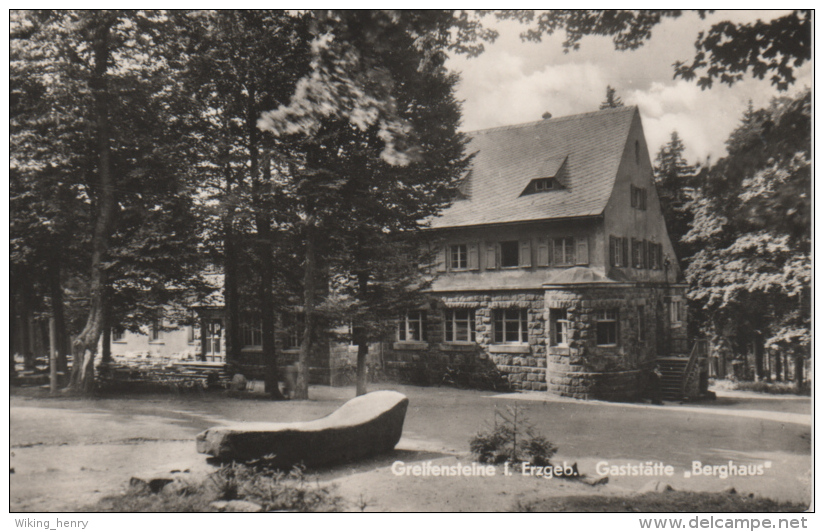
(69, 452)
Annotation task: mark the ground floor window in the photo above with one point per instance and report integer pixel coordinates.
(558, 327)
(678, 312)
(459, 325)
(294, 326)
(252, 334)
(510, 326)
(606, 326)
(410, 327)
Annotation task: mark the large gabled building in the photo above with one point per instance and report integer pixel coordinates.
(555, 263)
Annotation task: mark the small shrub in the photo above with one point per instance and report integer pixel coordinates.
(512, 439)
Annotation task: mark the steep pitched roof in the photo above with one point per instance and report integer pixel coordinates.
(508, 158)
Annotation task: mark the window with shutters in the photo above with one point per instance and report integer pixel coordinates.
(654, 255)
(510, 255)
(618, 252)
(510, 326)
(563, 251)
(638, 254)
(411, 327)
(558, 327)
(459, 325)
(458, 257)
(606, 327)
(678, 312)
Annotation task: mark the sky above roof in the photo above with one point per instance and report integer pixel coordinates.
(514, 82)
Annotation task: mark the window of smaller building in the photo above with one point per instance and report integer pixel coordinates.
(558, 327)
(509, 254)
(458, 257)
(510, 326)
(294, 325)
(618, 251)
(606, 327)
(154, 331)
(411, 327)
(459, 325)
(252, 334)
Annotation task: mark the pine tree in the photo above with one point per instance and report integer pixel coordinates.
(612, 101)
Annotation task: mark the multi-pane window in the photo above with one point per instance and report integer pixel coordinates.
(638, 197)
(410, 327)
(543, 184)
(639, 253)
(606, 326)
(510, 326)
(294, 325)
(459, 325)
(678, 311)
(509, 254)
(654, 259)
(458, 257)
(558, 327)
(563, 251)
(154, 331)
(618, 251)
(252, 334)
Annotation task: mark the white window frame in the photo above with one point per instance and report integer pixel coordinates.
(678, 312)
(607, 316)
(502, 317)
(458, 257)
(453, 325)
(406, 330)
(559, 327)
(252, 334)
(563, 251)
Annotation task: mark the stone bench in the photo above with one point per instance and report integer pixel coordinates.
(364, 426)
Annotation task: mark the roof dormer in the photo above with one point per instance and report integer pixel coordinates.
(550, 175)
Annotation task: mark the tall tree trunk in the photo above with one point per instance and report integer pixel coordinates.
(307, 345)
(263, 221)
(58, 312)
(85, 345)
(230, 291)
(799, 370)
(13, 334)
(758, 354)
(361, 340)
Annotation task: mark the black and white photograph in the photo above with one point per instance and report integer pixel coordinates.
(410, 260)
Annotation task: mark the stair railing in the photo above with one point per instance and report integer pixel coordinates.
(699, 348)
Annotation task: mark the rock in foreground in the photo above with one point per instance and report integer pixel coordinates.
(366, 425)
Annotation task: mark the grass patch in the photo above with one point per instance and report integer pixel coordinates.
(773, 388)
(672, 501)
(269, 489)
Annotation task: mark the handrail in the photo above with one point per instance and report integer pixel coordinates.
(699, 348)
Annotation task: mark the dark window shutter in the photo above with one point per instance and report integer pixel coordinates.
(581, 250)
(525, 257)
(472, 255)
(612, 247)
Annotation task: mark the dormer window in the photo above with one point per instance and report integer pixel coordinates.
(544, 184)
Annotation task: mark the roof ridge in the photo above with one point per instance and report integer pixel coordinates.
(554, 120)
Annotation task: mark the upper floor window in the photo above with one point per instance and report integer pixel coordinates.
(510, 326)
(654, 259)
(558, 327)
(458, 257)
(542, 185)
(563, 251)
(410, 327)
(606, 327)
(618, 251)
(639, 253)
(638, 197)
(510, 257)
(459, 325)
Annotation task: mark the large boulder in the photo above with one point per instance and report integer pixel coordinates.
(366, 425)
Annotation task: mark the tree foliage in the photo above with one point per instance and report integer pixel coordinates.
(612, 100)
(752, 226)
